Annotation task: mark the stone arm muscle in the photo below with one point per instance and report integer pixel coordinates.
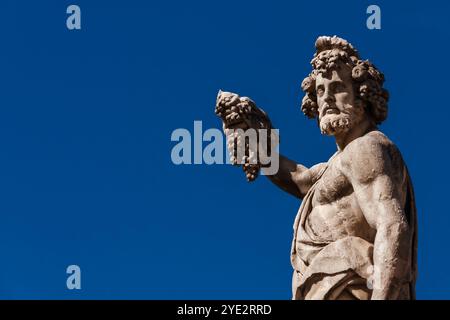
(294, 178)
(379, 191)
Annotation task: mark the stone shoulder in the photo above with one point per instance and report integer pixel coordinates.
(369, 156)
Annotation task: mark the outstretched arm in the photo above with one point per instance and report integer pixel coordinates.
(378, 186)
(241, 112)
(294, 178)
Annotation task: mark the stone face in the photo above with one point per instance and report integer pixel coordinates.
(355, 234)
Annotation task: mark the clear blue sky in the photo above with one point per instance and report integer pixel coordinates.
(85, 122)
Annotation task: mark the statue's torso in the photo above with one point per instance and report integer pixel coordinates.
(335, 211)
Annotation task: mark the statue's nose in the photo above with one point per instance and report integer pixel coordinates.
(328, 98)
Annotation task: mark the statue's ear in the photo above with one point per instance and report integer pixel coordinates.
(360, 103)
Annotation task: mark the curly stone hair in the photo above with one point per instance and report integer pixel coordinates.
(367, 79)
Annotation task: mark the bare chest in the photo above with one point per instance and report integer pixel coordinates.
(335, 211)
(332, 186)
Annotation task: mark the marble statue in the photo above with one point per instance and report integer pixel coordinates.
(355, 234)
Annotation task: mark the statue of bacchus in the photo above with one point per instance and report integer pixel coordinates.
(355, 234)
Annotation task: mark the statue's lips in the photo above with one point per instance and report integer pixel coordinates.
(330, 110)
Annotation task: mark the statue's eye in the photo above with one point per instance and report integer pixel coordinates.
(339, 87)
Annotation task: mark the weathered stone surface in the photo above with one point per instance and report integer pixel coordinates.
(355, 234)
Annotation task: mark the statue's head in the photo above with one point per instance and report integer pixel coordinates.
(342, 89)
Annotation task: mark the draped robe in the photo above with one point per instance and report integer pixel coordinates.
(342, 269)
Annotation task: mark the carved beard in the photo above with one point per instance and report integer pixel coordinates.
(335, 124)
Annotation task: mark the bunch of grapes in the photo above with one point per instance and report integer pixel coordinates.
(249, 159)
(237, 112)
(251, 171)
(232, 109)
